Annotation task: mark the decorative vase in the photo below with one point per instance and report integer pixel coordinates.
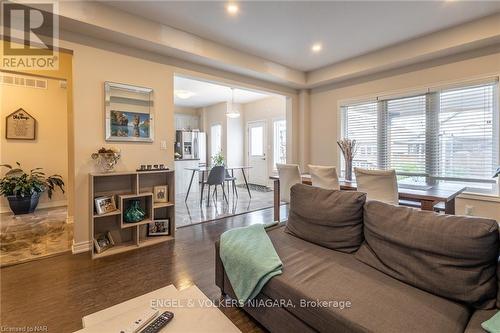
(23, 205)
(106, 161)
(134, 212)
(348, 169)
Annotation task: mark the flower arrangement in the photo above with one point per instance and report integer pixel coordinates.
(218, 159)
(348, 148)
(107, 158)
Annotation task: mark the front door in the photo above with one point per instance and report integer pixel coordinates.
(257, 159)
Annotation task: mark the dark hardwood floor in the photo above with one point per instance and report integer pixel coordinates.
(57, 292)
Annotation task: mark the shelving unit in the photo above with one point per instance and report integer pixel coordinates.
(127, 186)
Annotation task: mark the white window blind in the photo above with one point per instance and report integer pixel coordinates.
(406, 134)
(466, 141)
(360, 123)
(449, 134)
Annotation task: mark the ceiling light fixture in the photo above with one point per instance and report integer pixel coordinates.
(184, 94)
(232, 111)
(232, 8)
(316, 47)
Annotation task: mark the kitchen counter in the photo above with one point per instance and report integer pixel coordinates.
(183, 176)
(187, 159)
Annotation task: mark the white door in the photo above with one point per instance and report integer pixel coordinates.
(257, 159)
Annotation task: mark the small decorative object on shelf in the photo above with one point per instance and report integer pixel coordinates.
(150, 167)
(348, 148)
(23, 190)
(159, 228)
(105, 204)
(107, 158)
(103, 241)
(134, 212)
(160, 193)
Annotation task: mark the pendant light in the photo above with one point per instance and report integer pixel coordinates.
(232, 111)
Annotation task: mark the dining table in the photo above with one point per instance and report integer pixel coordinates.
(428, 195)
(203, 170)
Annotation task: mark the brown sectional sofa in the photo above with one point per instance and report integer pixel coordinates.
(387, 292)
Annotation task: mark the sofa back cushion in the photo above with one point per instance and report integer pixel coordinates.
(447, 255)
(330, 218)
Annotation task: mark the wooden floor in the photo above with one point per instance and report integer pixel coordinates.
(56, 292)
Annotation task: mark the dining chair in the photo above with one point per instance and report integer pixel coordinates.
(381, 185)
(324, 177)
(216, 177)
(289, 175)
(231, 179)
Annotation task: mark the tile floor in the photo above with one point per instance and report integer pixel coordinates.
(191, 212)
(32, 236)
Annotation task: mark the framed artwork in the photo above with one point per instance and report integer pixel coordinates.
(20, 125)
(104, 205)
(159, 228)
(103, 242)
(129, 113)
(160, 193)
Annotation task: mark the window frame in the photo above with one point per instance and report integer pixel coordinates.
(430, 178)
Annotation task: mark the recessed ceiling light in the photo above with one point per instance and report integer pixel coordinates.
(316, 47)
(232, 8)
(184, 94)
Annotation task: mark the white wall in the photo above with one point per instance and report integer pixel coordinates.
(268, 110)
(324, 121)
(50, 148)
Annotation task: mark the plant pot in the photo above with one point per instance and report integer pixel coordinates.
(23, 205)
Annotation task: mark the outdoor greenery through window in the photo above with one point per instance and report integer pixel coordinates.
(440, 135)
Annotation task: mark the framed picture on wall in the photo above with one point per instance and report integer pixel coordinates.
(129, 113)
(20, 125)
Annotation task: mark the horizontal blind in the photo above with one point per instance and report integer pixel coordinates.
(360, 124)
(406, 134)
(466, 142)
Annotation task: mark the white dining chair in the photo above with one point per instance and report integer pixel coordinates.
(289, 175)
(324, 177)
(381, 185)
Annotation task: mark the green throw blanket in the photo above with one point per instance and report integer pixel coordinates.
(492, 325)
(249, 259)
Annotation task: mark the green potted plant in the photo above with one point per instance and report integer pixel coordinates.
(23, 190)
(218, 159)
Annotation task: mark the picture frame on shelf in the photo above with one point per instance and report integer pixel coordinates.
(159, 228)
(103, 241)
(160, 193)
(105, 204)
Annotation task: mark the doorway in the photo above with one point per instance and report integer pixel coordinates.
(257, 147)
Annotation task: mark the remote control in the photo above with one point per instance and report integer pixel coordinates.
(159, 323)
(141, 321)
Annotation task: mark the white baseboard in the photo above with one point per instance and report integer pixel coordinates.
(81, 247)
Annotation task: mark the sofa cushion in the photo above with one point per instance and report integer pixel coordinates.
(447, 255)
(330, 218)
(379, 303)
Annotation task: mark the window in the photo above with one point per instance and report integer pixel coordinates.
(215, 139)
(447, 134)
(279, 139)
(257, 141)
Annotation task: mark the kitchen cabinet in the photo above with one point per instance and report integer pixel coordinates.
(186, 122)
(183, 176)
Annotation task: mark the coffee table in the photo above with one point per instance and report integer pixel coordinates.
(193, 312)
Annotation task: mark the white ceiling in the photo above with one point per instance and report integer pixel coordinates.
(283, 31)
(207, 93)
